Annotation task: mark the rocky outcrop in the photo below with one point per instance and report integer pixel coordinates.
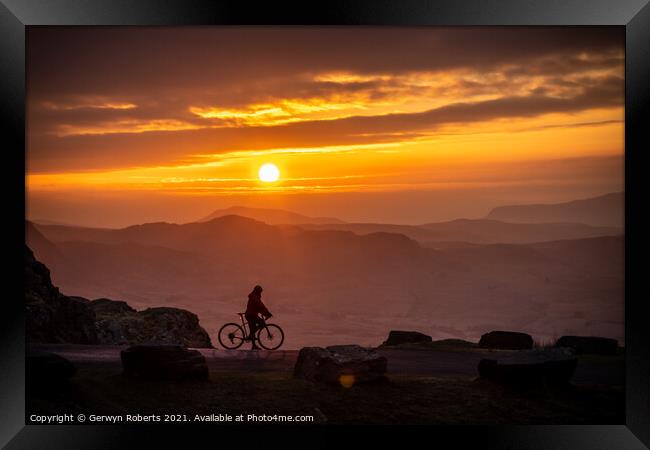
(107, 307)
(406, 337)
(550, 366)
(506, 340)
(55, 318)
(45, 368)
(340, 364)
(118, 323)
(112, 322)
(589, 344)
(163, 362)
(50, 315)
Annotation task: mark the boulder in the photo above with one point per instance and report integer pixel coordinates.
(406, 337)
(112, 331)
(340, 364)
(118, 323)
(174, 325)
(163, 362)
(589, 344)
(550, 366)
(506, 340)
(47, 368)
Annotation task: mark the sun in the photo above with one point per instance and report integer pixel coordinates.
(269, 173)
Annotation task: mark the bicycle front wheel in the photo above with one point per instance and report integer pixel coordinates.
(231, 336)
(270, 337)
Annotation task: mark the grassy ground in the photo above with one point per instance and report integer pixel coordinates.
(401, 399)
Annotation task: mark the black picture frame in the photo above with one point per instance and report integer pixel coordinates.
(634, 15)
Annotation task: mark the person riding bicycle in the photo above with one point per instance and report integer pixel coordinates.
(254, 308)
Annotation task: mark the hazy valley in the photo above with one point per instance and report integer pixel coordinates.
(341, 283)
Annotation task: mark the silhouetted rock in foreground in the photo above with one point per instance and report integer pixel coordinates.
(163, 362)
(118, 323)
(47, 368)
(531, 367)
(589, 344)
(50, 315)
(506, 340)
(406, 337)
(341, 364)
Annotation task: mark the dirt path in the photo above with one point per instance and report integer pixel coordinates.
(422, 362)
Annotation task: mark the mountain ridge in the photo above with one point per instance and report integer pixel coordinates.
(603, 210)
(269, 215)
(481, 231)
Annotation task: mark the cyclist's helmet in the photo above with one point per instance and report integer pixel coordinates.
(258, 289)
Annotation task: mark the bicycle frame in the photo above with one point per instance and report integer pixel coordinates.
(246, 327)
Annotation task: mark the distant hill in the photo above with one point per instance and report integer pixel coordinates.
(485, 231)
(269, 216)
(606, 210)
(480, 231)
(435, 235)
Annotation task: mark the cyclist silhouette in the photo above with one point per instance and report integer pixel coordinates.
(254, 309)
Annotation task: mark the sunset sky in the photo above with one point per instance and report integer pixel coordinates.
(401, 125)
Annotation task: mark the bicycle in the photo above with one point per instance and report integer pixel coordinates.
(233, 335)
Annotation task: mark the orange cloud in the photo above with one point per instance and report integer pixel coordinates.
(348, 77)
(285, 111)
(125, 126)
(88, 103)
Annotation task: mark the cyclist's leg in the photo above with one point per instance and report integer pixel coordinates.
(253, 322)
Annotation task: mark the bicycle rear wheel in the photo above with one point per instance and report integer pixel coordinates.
(231, 336)
(270, 337)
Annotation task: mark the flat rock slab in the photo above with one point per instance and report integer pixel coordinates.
(589, 344)
(553, 366)
(340, 364)
(506, 340)
(396, 337)
(163, 362)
